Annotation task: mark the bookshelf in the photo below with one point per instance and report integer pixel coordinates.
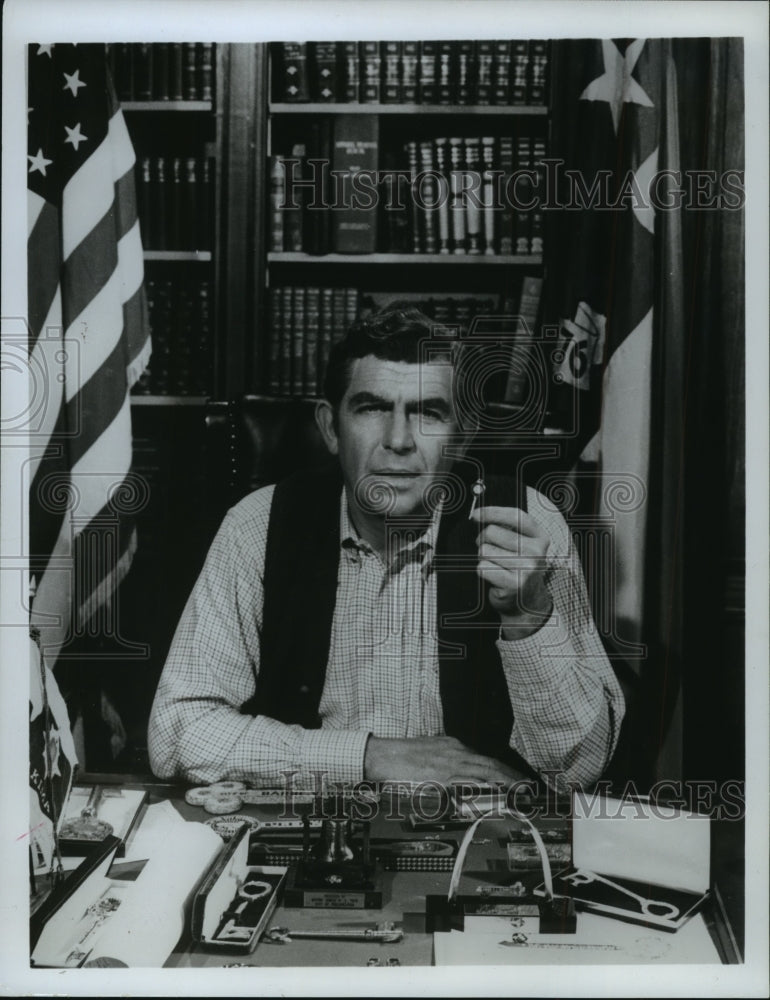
(445, 110)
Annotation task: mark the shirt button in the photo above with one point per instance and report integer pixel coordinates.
(304, 689)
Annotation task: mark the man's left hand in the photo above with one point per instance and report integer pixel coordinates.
(512, 560)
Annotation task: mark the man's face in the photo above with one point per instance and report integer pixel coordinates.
(393, 425)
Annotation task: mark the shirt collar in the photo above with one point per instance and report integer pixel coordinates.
(420, 547)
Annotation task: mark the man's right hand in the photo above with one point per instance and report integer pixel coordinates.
(436, 758)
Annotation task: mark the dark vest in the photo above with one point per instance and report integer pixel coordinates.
(300, 590)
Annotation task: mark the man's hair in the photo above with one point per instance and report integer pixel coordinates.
(395, 333)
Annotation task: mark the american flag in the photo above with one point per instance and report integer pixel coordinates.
(88, 337)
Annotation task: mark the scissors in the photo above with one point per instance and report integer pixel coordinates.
(649, 907)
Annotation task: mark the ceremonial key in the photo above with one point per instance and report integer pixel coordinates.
(478, 489)
(386, 932)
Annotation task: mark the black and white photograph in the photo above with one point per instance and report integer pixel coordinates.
(383, 566)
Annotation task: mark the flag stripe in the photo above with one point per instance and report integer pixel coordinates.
(88, 268)
(43, 254)
(99, 327)
(88, 195)
(124, 204)
(138, 346)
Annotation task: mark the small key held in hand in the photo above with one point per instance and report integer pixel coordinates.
(478, 489)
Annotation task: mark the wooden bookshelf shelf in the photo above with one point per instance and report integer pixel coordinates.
(169, 400)
(455, 110)
(202, 256)
(480, 260)
(205, 106)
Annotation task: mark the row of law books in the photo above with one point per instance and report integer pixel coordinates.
(162, 71)
(499, 72)
(333, 193)
(181, 327)
(174, 202)
(304, 322)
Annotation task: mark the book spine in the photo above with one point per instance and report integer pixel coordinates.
(538, 73)
(351, 306)
(323, 82)
(536, 219)
(291, 72)
(370, 73)
(190, 76)
(206, 72)
(274, 357)
(312, 333)
(472, 196)
(326, 334)
(338, 314)
(204, 361)
(315, 203)
(180, 374)
(298, 341)
(485, 54)
(410, 58)
(124, 71)
(517, 386)
(293, 229)
(175, 206)
(519, 72)
(522, 216)
(160, 77)
(192, 204)
(489, 214)
(414, 209)
(355, 158)
(145, 202)
(348, 70)
(446, 72)
(465, 72)
(428, 192)
(505, 228)
(277, 182)
(443, 195)
(176, 72)
(143, 66)
(287, 313)
(160, 204)
(390, 54)
(394, 217)
(456, 207)
(427, 87)
(205, 212)
(501, 87)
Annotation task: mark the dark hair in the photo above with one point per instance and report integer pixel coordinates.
(395, 333)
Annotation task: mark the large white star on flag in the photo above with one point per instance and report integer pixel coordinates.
(74, 135)
(74, 83)
(45, 50)
(38, 162)
(616, 85)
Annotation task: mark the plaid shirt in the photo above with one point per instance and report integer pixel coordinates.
(383, 672)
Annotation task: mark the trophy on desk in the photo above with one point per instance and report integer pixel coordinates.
(336, 870)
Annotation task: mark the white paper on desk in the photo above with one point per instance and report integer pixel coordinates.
(598, 941)
(159, 823)
(150, 920)
(641, 841)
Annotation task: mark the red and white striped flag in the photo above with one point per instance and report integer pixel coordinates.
(89, 336)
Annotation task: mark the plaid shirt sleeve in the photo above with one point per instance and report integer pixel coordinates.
(567, 702)
(196, 730)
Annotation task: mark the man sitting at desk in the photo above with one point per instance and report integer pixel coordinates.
(363, 625)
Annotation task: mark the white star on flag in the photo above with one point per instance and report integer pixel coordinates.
(616, 85)
(74, 135)
(74, 83)
(45, 50)
(38, 162)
